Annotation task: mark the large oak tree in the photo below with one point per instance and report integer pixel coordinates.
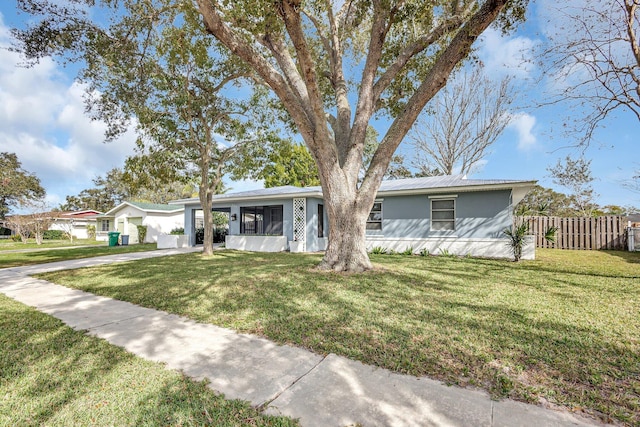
(335, 65)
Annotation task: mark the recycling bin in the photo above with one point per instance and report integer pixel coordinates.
(113, 238)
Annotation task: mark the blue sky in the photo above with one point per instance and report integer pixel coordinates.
(42, 120)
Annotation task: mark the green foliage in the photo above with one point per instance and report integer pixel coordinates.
(16, 238)
(142, 233)
(407, 251)
(219, 235)
(54, 235)
(396, 169)
(517, 238)
(446, 253)
(17, 186)
(424, 252)
(575, 175)
(91, 232)
(379, 250)
(177, 231)
(117, 186)
(278, 162)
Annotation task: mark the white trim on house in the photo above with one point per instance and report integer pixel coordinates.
(121, 205)
(485, 248)
(248, 242)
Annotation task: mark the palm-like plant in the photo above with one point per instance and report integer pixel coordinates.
(517, 237)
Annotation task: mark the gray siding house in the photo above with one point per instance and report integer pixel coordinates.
(445, 213)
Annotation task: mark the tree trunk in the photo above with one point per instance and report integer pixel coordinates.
(206, 199)
(347, 215)
(208, 231)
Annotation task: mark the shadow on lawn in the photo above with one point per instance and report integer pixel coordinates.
(419, 317)
(52, 375)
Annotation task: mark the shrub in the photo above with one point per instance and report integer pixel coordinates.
(54, 235)
(516, 239)
(199, 236)
(446, 253)
(142, 233)
(16, 238)
(219, 235)
(177, 230)
(91, 232)
(378, 250)
(424, 252)
(408, 251)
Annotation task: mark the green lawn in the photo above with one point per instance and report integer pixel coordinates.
(16, 259)
(55, 376)
(8, 244)
(564, 328)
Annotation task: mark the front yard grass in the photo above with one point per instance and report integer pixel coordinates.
(8, 244)
(52, 375)
(563, 329)
(16, 259)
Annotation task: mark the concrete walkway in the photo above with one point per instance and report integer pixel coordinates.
(283, 380)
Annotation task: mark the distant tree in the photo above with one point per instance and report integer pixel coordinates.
(118, 186)
(633, 184)
(575, 175)
(396, 169)
(17, 186)
(596, 56)
(463, 121)
(281, 163)
(545, 201)
(32, 224)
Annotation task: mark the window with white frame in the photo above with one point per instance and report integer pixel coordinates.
(105, 225)
(374, 222)
(443, 214)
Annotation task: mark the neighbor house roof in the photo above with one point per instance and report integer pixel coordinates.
(434, 184)
(147, 207)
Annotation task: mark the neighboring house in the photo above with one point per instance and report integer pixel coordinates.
(75, 222)
(444, 213)
(125, 218)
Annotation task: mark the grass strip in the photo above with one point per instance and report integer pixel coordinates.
(17, 259)
(55, 376)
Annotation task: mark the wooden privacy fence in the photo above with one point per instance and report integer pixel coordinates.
(605, 232)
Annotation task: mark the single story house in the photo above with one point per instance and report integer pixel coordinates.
(124, 218)
(75, 222)
(443, 213)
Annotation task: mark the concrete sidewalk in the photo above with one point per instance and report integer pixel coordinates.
(283, 380)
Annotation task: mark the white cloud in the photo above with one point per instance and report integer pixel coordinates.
(42, 120)
(523, 124)
(506, 55)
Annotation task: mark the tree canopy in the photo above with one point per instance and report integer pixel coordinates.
(17, 186)
(117, 186)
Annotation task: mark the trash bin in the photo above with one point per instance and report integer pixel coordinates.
(113, 238)
(125, 239)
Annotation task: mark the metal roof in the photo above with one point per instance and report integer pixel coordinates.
(389, 187)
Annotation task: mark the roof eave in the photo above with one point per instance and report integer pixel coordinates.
(268, 197)
(459, 189)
